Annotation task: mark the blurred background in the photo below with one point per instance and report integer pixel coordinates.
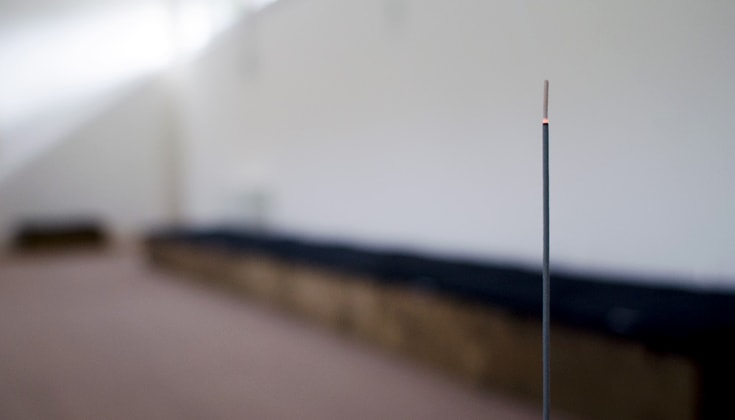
(383, 124)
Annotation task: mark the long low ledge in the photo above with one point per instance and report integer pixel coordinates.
(619, 349)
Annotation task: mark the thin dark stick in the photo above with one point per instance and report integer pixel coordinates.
(546, 279)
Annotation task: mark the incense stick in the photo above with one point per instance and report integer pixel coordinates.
(546, 280)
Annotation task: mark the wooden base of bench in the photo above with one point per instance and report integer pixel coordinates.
(593, 375)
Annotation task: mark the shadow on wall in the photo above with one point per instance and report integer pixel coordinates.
(113, 170)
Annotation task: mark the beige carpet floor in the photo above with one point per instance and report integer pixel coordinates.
(102, 336)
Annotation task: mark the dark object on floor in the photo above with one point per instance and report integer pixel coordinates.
(59, 235)
(621, 348)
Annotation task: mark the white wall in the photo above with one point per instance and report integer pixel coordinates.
(112, 169)
(417, 123)
(74, 87)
